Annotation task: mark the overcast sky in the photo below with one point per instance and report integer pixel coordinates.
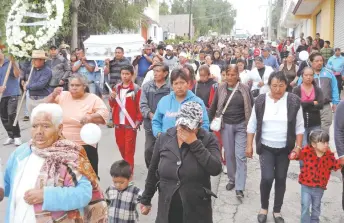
(249, 15)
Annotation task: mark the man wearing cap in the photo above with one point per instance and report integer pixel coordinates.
(59, 66)
(38, 85)
(143, 63)
(169, 59)
(9, 100)
(183, 58)
(269, 60)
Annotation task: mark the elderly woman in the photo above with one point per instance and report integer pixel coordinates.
(50, 178)
(168, 107)
(277, 122)
(235, 118)
(184, 158)
(80, 108)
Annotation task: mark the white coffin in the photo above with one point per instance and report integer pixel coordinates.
(101, 47)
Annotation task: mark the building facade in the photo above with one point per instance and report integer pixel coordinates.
(177, 24)
(150, 27)
(315, 16)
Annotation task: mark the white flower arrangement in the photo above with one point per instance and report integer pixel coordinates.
(47, 14)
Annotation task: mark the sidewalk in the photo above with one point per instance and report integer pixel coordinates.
(229, 209)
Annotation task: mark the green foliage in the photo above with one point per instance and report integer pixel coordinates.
(95, 16)
(164, 8)
(216, 15)
(179, 39)
(4, 8)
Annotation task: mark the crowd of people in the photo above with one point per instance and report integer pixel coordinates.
(202, 105)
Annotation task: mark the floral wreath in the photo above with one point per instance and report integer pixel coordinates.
(31, 24)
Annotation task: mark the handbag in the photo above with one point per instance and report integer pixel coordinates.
(217, 121)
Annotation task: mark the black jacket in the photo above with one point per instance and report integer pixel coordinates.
(185, 171)
(311, 112)
(202, 90)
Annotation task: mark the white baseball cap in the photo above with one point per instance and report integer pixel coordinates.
(169, 47)
(183, 54)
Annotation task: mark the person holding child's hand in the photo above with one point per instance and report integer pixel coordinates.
(318, 161)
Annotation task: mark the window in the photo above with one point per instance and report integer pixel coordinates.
(155, 34)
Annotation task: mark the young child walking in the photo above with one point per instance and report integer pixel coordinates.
(318, 161)
(125, 103)
(123, 196)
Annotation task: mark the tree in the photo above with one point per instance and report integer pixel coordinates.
(4, 8)
(85, 17)
(179, 7)
(276, 16)
(215, 15)
(164, 9)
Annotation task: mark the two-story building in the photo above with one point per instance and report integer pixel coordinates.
(150, 27)
(315, 16)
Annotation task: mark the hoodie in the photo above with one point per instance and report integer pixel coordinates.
(167, 110)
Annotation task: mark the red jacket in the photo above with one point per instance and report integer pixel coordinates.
(317, 170)
(132, 105)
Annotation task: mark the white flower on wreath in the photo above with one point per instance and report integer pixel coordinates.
(29, 46)
(30, 38)
(21, 43)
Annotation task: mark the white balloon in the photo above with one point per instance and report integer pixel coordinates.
(304, 55)
(90, 133)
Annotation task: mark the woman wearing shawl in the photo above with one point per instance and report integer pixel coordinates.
(50, 179)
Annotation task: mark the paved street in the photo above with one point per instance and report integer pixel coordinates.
(227, 208)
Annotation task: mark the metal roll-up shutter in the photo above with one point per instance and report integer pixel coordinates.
(339, 24)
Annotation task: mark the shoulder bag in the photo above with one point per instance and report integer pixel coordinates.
(217, 121)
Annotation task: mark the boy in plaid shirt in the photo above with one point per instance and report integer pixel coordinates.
(122, 196)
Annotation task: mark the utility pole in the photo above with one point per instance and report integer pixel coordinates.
(270, 21)
(190, 20)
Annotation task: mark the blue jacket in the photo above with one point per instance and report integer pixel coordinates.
(167, 110)
(55, 198)
(271, 61)
(327, 82)
(336, 64)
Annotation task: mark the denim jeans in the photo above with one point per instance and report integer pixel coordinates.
(310, 197)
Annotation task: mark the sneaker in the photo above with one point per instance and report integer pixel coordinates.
(224, 169)
(239, 194)
(17, 141)
(26, 118)
(8, 142)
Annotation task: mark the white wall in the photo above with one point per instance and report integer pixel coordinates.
(158, 33)
(152, 11)
(305, 27)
